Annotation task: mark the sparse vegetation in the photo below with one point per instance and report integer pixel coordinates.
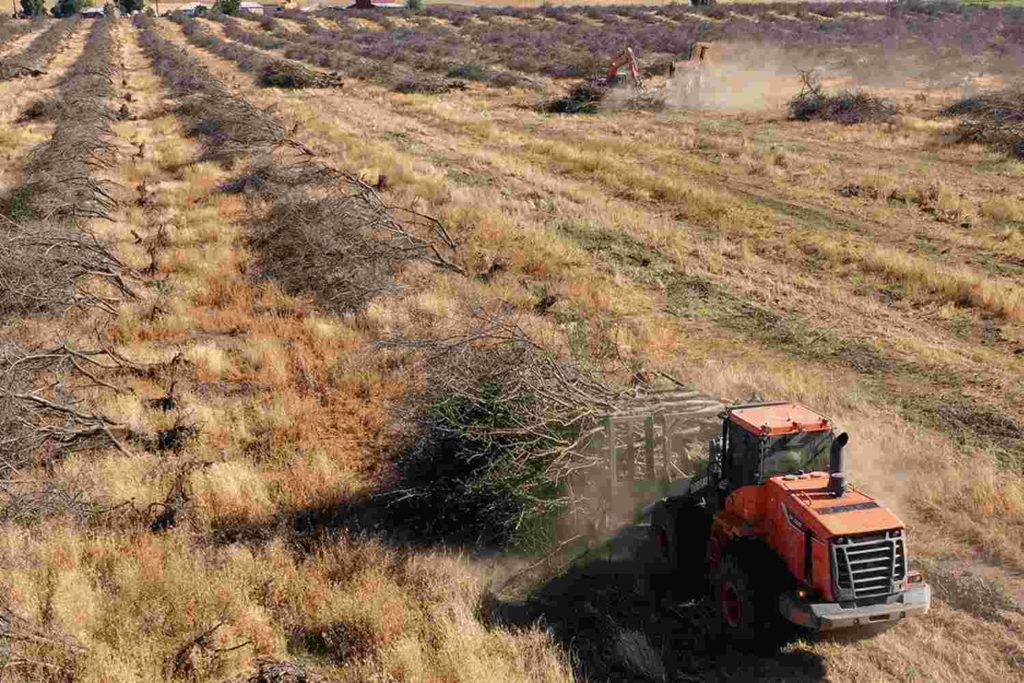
(252, 412)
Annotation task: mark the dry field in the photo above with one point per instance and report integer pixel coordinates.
(231, 290)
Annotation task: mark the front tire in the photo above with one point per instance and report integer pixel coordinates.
(735, 601)
(746, 598)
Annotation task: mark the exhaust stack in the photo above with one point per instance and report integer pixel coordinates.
(837, 466)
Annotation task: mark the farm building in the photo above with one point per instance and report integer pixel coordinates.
(375, 4)
(260, 7)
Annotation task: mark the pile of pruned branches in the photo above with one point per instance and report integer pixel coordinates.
(12, 30)
(61, 175)
(43, 418)
(50, 267)
(272, 72)
(846, 107)
(48, 262)
(229, 125)
(37, 652)
(42, 414)
(496, 440)
(584, 98)
(89, 88)
(330, 235)
(994, 118)
(33, 61)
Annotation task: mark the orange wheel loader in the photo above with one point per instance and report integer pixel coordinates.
(780, 535)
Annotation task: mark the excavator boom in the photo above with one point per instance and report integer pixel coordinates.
(623, 58)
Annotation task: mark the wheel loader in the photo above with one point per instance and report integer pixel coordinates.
(780, 535)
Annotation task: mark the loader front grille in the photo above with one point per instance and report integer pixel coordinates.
(869, 566)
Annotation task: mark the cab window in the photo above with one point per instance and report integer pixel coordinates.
(795, 453)
(742, 460)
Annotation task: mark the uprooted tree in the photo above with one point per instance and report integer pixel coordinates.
(331, 235)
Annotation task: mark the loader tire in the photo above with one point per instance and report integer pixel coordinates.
(679, 537)
(745, 598)
(735, 601)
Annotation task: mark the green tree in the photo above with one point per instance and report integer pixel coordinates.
(67, 8)
(414, 4)
(129, 6)
(33, 7)
(229, 7)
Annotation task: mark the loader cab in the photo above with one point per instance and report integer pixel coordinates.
(765, 440)
(699, 52)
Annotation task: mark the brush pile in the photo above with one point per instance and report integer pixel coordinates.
(61, 174)
(51, 267)
(995, 118)
(330, 235)
(272, 72)
(228, 125)
(48, 262)
(497, 438)
(584, 98)
(424, 84)
(846, 107)
(33, 61)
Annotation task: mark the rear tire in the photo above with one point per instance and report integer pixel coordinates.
(678, 540)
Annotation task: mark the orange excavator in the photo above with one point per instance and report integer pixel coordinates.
(780, 535)
(626, 57)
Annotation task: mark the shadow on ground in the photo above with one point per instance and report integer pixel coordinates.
(602, 611)
(617, 630)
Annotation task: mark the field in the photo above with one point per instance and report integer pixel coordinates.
(287, 305)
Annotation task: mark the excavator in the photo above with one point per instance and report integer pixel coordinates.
(690, 71)
(615, 80)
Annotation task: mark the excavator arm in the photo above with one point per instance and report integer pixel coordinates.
(623, 58)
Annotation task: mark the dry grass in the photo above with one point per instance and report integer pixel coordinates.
(293, 406)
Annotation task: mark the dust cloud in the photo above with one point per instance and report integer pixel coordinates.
(756, 77)
(739, 78)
